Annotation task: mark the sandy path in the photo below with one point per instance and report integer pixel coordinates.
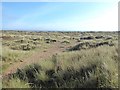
(36, 57)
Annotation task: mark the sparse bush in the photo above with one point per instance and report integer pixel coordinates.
(48, 40)
(65, 41)
(15, 83)
(99, 37)
(90, 64)
(77, 69)
(88, 45)
(53, 40)
(24, 47)
(87, 38)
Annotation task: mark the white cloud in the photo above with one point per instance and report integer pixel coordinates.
(106, 21)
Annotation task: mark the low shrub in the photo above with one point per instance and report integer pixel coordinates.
(93, 68)
(65, 41)
(88, 45)
(24, 47)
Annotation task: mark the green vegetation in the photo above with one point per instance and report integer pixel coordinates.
(89, 60)
(65, 41)
(92, 68)
(91, 44)
(11, 56)
(16, 82)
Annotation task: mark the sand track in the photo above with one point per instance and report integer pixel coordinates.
(36, 57)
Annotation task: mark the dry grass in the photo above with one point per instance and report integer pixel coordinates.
(76, 69)
(82, 66)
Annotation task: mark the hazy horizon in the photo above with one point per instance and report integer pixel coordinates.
(58, 16)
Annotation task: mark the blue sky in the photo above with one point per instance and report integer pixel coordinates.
(69, 16)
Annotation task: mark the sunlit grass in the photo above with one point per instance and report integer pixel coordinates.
(97, 64)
